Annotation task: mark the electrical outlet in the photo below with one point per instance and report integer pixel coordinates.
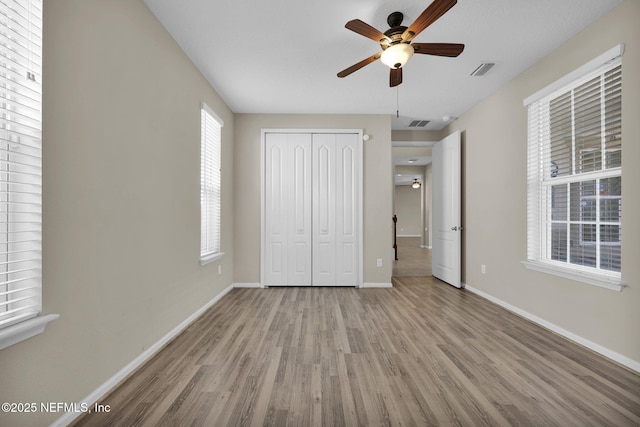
(484, 269)
(379, 262)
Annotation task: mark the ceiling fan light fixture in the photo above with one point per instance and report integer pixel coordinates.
(416, 183)
(397, 42)
(395, 56)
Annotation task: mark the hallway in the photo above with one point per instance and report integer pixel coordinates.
(413, 261)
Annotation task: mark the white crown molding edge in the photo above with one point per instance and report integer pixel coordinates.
(412, 143)
(610, 354)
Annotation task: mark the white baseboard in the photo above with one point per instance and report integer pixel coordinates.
(376, 285)
(364, 285)
(425, 247)
(408, 235)
(136, 363)
(246, 285)
(617, 357)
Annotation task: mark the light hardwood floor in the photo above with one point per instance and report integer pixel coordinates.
(420, 353)
(413, 261)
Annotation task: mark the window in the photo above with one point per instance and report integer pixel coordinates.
(20, 171)
(210, 185)
(575, 178)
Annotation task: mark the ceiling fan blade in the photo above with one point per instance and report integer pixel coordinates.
(438, 49)
(395, 77)
(434, 11)
(366, 30)
(356, 67)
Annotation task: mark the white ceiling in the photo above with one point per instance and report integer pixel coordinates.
(282, 56)
(411, 160)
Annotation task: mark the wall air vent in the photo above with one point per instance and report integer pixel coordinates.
(482, 69)
(418, 123)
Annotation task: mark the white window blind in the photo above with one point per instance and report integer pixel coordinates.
(574, 179)
(210, 184)
(20, 161)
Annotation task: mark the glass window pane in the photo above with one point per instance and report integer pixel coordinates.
(559, 241)
(559, 202)
(583, 201)
(610, 247)
(610, 199)
(560, 145)
(610, 234)
(582, 241)
(588, 137)
(613, 117)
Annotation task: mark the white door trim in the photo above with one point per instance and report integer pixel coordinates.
(360, 190)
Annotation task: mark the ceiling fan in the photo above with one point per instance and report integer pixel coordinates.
(396, 41)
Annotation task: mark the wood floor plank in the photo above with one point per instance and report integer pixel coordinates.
(420, 353)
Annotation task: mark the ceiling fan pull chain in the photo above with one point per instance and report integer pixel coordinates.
(397, 102)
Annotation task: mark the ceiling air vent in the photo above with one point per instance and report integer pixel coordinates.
(483, 69)
(418, 123)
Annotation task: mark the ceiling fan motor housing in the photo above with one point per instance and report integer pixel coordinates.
(395, 32)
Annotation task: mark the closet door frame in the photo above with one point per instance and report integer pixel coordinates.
(359, 186)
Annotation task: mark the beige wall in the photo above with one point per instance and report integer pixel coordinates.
(407, 203)
(378, 185)
(417, 135)
(121, 214)
(494, 212)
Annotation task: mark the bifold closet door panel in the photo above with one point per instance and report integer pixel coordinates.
(346, 237)
(287, 209)
(335, 209)
(300, 214)
(324, 207)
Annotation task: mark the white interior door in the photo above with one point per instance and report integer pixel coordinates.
(446, 221)
(287, 210)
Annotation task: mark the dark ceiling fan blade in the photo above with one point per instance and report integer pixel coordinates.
(366, 30)
(434, 11)
(395, 77)
(438, 49)
(356, 67)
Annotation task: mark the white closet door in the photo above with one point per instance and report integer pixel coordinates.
(299, 195)
(287, 210)
(335, 210)
(311, 209)
(324, 219)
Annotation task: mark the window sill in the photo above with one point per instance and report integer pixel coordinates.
(24, 330)
(209, 258)
(580, 276)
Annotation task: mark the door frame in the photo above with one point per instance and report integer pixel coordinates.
(359, 187)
